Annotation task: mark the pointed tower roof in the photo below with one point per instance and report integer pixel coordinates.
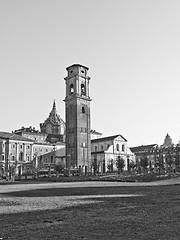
(54, 117)
(54, 105)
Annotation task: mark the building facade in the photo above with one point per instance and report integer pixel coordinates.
(32, 133)
(106, 151)
(77, 104)
(158, 158)
(15, 150)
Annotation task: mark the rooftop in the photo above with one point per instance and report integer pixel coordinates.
(13, 136)
(109, 138)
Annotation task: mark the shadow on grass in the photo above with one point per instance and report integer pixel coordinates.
(81, 191)
(153, 216)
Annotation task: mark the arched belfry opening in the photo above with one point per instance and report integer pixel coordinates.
(83, 109)
(71, 88)
(78, 140)
(83, 90)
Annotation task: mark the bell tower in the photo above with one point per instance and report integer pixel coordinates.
(77, 101)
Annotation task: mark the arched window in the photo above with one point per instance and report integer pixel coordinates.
(83, 89)
(123, 148)
(83, 109)
(117, 147)
(71, 89)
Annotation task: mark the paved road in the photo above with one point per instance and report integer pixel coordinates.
(22, 187)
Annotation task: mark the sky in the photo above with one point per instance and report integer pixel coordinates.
(132, 49)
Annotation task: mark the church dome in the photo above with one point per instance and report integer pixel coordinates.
(54, 124)
(54, 117)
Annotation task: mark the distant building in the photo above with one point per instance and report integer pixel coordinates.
(106, 151)
(54, 126)
(145, 151)
(50, 159)
(95, 134)
(167, 142)
(32, 133)
(14, 150)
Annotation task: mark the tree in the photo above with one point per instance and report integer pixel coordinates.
(169, 159)
(120, 164)
(144, 163)
(110, 166)
(95, 165)
(132, 165)
(12, 171)
(59, 167)
(177, 157)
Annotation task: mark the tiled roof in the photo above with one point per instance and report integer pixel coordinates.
(13, 136)
(142, 148)
(107, 138)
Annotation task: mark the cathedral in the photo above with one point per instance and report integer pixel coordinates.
(72, 141)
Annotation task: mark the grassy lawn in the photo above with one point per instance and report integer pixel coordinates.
(154, 214)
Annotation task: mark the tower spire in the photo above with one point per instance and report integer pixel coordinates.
(54, 105)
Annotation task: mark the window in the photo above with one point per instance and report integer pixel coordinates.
(71, 89)
(101, 147)
(83, 89)
(2, 157)
(123, 148)
(51, 159)
(13, 158)
(117, 147)
(95, 148)
(28, 147)
(83, 109)
(28, 158)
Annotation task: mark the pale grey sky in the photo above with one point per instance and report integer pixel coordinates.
(132, 49)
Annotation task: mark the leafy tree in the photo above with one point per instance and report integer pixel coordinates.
(159, 162)
(144, 163)
(12, 171)
(169, 159)
(110, 166)
(177, 157)
(59, 167)
(95, 165)
(120, 164)
(132, 165)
